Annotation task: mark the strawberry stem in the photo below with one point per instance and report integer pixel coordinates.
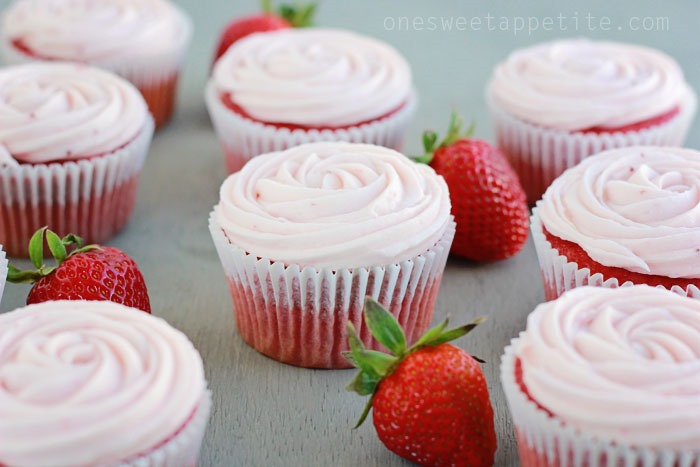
(365, 412)
(454, 133)
(375, 366)
(58, 248)
(298, 15)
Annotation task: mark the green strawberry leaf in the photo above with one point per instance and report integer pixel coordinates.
(379, 361)
(363, 384)
(56, 246)
(454, 130)
(365, 412)
(356, 349)
(429, 139)
(431, 334)
(350, 358)
(36, 248)
(375, 364)
(72, 239)
(16, 276)
(384, 327)
(299, 16)
(455, 333)
(85, 248)
(304, 16)
(454, 133)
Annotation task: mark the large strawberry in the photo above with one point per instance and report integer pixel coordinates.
(86, 273)
(286, 16)
(488, 201)
(430, 403)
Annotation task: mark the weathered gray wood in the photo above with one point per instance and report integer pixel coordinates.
(269, 414)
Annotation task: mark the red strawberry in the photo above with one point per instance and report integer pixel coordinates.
(488, 201)
(87, 273)
(430, 402)
(286, 17)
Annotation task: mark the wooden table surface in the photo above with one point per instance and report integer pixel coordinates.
(269, 414)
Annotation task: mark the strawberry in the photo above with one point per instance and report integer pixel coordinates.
(286, 17)
(488, 201)
(86, 273)
(430, 403)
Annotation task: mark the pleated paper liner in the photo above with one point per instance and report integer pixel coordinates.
(299, 315)
(559, 274)
(539, 155)
(242, 138)
(182, 449)
(547, 441)
(92, 198)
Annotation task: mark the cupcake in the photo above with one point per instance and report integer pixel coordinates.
(306, 233)
(144, 41)
(98, 383)
(556, 103)
(624, 215)
(73, 140)
(274, 90)
(607, 378)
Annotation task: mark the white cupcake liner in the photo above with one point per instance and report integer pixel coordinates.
(3, 271)
(539, 155)
(154, 75)
(547, 441)
(559, 274)
(183, 448)
(242, 138)
(92, 198)
(299, 315)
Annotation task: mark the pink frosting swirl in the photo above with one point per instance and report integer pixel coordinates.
(580, 84)
(636, 208)
(87, 383)
(313, 77)
(96, 31)
(338, 205)
(55, 112)
(622, 364)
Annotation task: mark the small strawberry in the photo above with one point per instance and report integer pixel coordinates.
(488, 201)
(287, 16)
(87, 273)
(430, 403)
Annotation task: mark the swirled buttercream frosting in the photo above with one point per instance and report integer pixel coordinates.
(623, 364)
(53, 112)
(87, 383)
(313, 77)
(95, 31)
(581, 84)
(636, 208)
(338, 205)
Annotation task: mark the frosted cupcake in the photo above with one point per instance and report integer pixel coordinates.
(274, 90)
(73, 140)
(97, 383)
(144, 41)
(624, 215)
(607, 378)
(556, 103)
(306, 233)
